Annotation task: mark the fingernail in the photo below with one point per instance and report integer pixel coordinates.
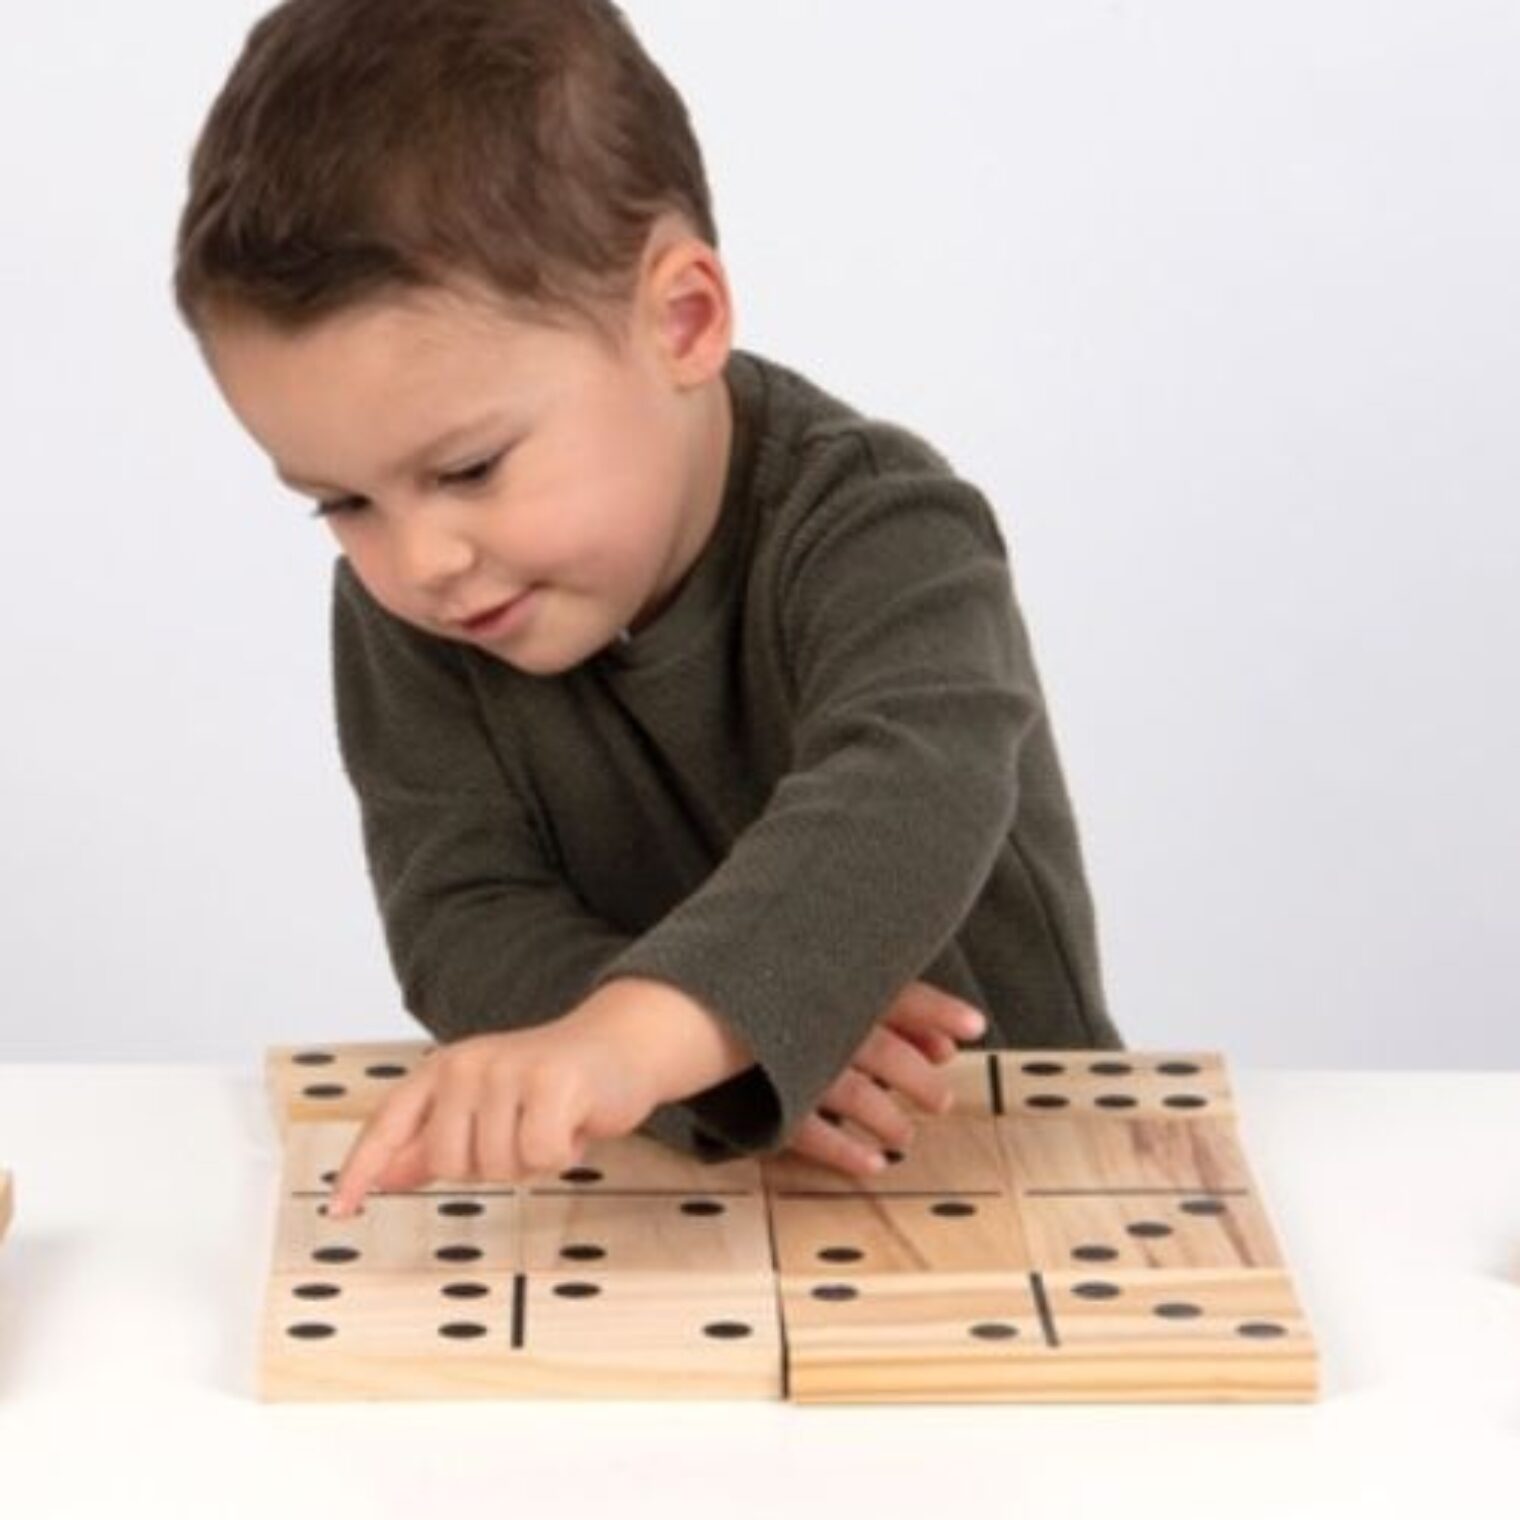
(974, 1024)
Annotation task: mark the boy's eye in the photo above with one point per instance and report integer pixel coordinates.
(476, 474)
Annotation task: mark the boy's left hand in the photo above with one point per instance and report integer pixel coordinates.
(499, 1106)
(918, 1032)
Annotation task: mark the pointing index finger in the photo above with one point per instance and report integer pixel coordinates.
(388, 1131)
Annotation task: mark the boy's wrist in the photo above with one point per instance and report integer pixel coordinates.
(684, 1047)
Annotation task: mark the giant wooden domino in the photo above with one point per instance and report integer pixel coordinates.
(1083, 1226)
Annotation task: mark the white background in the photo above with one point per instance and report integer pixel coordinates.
(1219, 305)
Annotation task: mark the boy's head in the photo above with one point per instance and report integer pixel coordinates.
(453, 265)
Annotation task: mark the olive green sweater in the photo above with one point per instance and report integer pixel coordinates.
(824, 770)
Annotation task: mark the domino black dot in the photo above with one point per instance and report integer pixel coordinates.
(1177, 1311)
(1096, 1290)
(703, 1208)
(465, 1290)
(316, 1290)
(580, 1174)
(1148, 1229)
(458, 1253)
(583, 1253)
(1261, 1329)
(1095, 1253)
(328, 1178)
(335, 1255)
(309, 1330)
(1204, 1206)
(1116, 1100)
(1047, 1100)
(462, 1330)
(385, 1072)
(994, 1330)
(1179, 1069)
(1185, 1100)
(835, 1293)
(324, 1090)
(314, 1058)
(576, 1290)
(840, 1254)
(1111, 1069)
(461, 1208)
(1042, 1068)
(953, 1208)
(322, 1210)
(727, 1330)
(893, 1157)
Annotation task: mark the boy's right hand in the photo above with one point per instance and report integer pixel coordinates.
(915, 1035)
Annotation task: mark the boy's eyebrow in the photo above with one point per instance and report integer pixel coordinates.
(296, 482)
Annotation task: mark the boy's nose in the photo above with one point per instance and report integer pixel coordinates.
(428, 557)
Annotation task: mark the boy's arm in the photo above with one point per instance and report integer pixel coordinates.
(483, 934)
(914, 690)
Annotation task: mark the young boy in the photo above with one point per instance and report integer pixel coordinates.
(706, 781)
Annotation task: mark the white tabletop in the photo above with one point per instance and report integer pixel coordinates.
(131, 1289)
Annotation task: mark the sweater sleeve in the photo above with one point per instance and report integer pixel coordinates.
(482, 933)
(914, 689)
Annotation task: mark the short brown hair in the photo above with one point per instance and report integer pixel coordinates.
(360, 146)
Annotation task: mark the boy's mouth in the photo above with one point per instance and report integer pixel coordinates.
(483, 622)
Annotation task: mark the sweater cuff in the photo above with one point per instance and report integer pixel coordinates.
(758, 1108)
(719, 1124)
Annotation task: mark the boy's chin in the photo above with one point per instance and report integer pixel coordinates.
(552, 656)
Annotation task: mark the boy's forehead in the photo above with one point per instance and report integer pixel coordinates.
(428, 371)
(421, 378)
(397, 345)
(429, 335)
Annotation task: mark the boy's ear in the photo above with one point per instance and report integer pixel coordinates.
(693, 311)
